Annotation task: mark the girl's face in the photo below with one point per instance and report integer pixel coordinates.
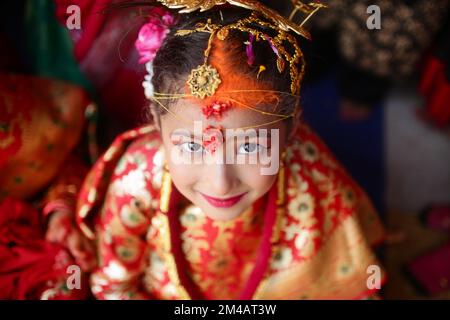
(221, 175)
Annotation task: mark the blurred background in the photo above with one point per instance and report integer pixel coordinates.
(380, 98)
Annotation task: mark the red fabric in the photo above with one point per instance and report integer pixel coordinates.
(262, 259)
(436, 90)
(92, 21)
(438, 218)
(30, 266)
(432, 270)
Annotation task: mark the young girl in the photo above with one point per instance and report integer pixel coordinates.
(227, 195)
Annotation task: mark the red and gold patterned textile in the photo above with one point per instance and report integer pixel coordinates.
(321, 245)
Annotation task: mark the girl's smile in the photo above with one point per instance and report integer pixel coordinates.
(223, 202)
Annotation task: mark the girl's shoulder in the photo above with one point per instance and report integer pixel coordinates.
(327, 228)
(322, 196)
(129, 172)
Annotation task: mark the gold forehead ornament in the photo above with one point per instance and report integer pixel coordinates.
(205, 79)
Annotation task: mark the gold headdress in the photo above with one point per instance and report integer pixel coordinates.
(205, 80)
(263, 24)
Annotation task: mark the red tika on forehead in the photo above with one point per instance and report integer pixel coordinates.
(216, 110)
(252, 92)
(212, 138)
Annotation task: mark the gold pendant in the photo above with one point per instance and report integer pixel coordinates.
(204, 81)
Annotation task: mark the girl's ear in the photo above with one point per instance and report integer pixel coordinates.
(156, 118)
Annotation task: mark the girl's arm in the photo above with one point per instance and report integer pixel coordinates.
(120, 231)
(59, 207)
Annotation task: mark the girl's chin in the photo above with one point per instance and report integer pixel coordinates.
(222, 214)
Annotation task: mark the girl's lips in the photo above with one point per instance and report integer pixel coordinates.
(223, 203)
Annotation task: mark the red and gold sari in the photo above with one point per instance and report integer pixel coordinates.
(41, 123)
(309, 237)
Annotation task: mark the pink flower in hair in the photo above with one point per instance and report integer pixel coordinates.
(153, 33)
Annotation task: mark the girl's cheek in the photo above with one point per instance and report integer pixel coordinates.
(251, 176)
(184, 175)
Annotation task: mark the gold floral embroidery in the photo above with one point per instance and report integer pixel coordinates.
(344, 269)
(192, 217)
(169, 291)
(304, 242)
(110, 153)
(158, 168)
(193, 248)
(116, 271)
(309, 151)
(157, 269)
(133, 184)
(131, 216)
(121, 164)
(302, 209)
(348, 197)
(129, 250)
(156, 232)
(328, 220)
(282, 258)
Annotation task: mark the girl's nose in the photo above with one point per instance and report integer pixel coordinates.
(222, 181)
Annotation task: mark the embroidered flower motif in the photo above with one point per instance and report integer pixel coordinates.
(157, 232)
(132, 216)
(121, 165)
(305, 242)
(291, 230)
(302, 209)
(282, 259)
(348, 197)
(328, 223)
(157, 267)
(345, 269)
(133, 184)
(169, 291)
(128, 250)
(158, 168)
(193, 217)
(194, 249)
(115, 271)
(309, 151)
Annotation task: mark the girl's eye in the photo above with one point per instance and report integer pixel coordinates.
(250, 148)
(191, 147)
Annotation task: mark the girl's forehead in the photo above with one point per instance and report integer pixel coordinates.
(186, 113)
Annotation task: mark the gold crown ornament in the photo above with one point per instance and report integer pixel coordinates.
(205, 79)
